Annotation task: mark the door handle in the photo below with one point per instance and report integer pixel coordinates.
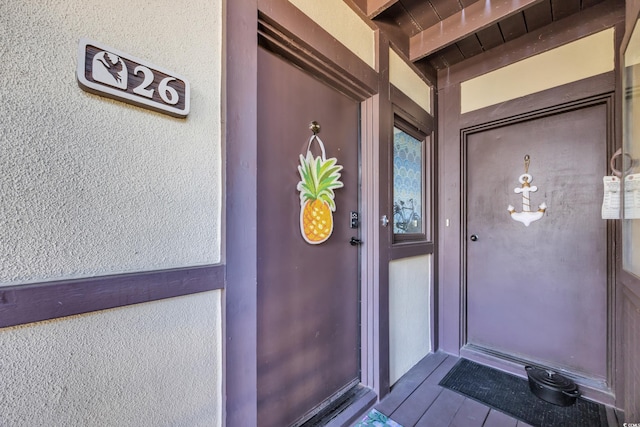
(355, 242)
(474, 237)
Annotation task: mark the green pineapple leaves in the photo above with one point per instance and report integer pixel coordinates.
(318, 179)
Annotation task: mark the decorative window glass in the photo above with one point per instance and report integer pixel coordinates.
(408, 194)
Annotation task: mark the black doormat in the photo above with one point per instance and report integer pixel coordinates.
(511, 395)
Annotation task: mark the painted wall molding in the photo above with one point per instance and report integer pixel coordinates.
(43, 301)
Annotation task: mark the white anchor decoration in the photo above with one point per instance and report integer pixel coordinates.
(526, 216)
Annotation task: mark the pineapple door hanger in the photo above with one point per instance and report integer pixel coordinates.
(319, 176)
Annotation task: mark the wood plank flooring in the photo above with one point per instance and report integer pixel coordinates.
(417, 400)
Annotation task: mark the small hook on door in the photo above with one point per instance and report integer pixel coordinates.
(314, 127)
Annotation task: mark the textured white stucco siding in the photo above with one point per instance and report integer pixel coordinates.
(155, 365)
(344, 24)
(409, 313)
(586, 57)
(409, 83)
(91, 186)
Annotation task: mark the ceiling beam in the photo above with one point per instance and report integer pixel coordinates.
(469, 20)
(376, 7)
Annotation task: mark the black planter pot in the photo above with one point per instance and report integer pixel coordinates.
(551, 386)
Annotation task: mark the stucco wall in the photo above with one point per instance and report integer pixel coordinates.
(156, 365)
(589, 56)
(92, 186)
(409, 313)
(343, 24)
(405, 79)
(632, 51)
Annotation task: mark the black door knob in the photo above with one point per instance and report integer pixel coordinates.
(474, 237)
(355, 242)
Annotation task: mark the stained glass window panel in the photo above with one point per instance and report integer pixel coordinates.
(407, 183)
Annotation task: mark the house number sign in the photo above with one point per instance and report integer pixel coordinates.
(105, 71)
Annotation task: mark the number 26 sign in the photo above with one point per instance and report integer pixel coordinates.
(108, 72)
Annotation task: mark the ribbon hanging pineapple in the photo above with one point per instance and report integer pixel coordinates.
(319, 176)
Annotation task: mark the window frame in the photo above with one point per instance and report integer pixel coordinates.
(424, 235)
(412, 119)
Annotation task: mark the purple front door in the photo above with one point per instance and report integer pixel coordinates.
(308, 330)
(538, 293)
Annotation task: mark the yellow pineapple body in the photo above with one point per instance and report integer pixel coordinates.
(317, 221)
(318, 178)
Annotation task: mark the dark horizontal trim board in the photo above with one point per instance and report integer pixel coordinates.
(42, 301)
(411, 111)
(410, 249)
(286, 30)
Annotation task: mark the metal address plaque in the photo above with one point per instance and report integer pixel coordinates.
(105, 71)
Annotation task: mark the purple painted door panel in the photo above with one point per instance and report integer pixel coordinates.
(540, 292)
(308, 334)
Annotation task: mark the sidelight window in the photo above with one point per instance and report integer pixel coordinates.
(411, 178)
(408, 184)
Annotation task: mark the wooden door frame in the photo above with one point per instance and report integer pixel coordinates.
(376, 122)
(282, 28)
(451, 122)
(240, 153)
(540, 106)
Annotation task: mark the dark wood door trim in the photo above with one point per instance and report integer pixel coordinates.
(377, 120)
(600, 391)
(240, 245)
(285, 30)
(540, 101)
(411, 110)
(374, 307)
(448, 279)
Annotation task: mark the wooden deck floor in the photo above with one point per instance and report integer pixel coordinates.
(417, 400)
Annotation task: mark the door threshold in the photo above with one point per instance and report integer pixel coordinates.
(344, 410)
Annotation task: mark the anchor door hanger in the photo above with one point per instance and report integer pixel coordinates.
(526, 216)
